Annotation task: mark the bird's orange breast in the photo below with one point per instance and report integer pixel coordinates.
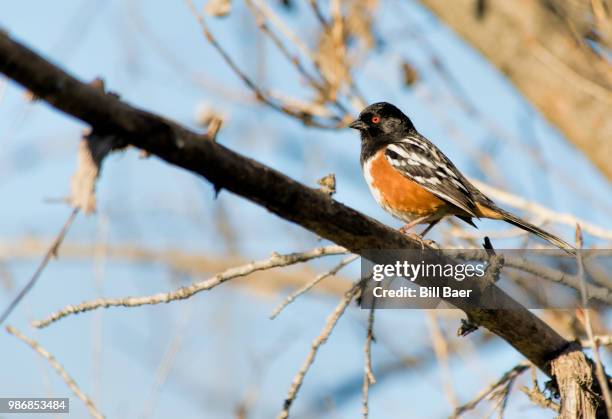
(396, 193)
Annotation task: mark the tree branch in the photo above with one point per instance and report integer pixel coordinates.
(59, 368)
(188, 291)
(283, 196)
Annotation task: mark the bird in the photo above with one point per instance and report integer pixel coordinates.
(414, 181)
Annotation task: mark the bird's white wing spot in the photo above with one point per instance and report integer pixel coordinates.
(398, 150)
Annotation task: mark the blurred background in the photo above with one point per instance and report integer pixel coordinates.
(157, 228)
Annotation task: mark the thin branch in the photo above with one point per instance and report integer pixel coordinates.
(605, 340)
(333, 271)
(332, 320)
(508, 376)
(440, 347)
(283, 28)
(355, 96)
(600, 293)
(599, 369)
(55, 364)
(259, 93)
(542, 212)
(314, 5)
(258, 183)
(260, 18)
(52, 252)
(168, 360)
(537, 397)
(195, 264)
(182, 293)
(368, 376)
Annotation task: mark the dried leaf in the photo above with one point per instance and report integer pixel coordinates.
(409, 74)
(328, 184)
(332, 52)
(332, 59)
(91, 152)
(218, 8)
(359, 21)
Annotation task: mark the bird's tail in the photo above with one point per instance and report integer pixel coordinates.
(554, 240)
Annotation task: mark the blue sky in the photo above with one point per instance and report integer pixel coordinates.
(151, 53)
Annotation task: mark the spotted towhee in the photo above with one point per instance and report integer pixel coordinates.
(415, 182)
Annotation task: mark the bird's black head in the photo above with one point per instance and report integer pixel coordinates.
(382, 121)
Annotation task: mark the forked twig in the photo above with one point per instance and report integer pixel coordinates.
(332, 320)
(260, 94)
(55, 364)
(368, 376)
(333, 271)
(52, 252)
(599, 369)
(508, 376)
(182, 293)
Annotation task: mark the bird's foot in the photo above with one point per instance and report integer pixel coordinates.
(414, 236)
(406, 230)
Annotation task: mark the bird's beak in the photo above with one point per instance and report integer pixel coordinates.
(357, 124)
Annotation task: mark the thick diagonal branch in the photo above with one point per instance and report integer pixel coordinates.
(263, 185)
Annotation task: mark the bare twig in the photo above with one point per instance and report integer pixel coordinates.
(486, 393)
(598, 292)
(100, 255)
(324, 87)
(167, 362)
(368, 376)
(260, 17)
(195, 264)
(599, 369)
(440, 347)
(283, 28)
(182, 293)
(92, 151)
(333, 271)
(605, 340)
(332, 320)
(55, 364)
(542, 212)
(314, 5)
(260, 94)
(536, 396)
(52, 252)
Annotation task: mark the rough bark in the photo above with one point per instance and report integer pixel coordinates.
(278, 193)
(573, 373)
(540, 45)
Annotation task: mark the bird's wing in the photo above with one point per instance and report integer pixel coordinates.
(422, 162)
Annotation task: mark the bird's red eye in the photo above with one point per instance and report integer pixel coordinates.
(376, 119)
